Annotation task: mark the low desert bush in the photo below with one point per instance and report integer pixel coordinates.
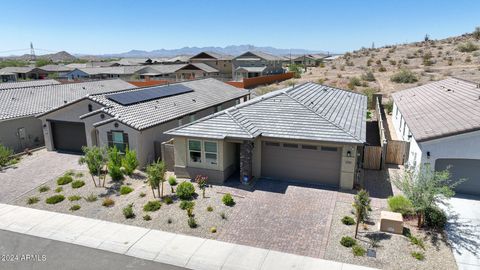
(358, 250)
(142, 194)
(184, 205)
(348, 241)
(168, 200)
(74, 198)
(348, 220)
(435, 218)
(223, 215)
(418, 255)
(227, 199)
(467, 47)
(185, 190)
(63, 180)
(59, 189)
(209, 208)
(78, 184)
(124, 190)
(128, 211)
(147, 217)
(43, 189)
(404, 76)
(75, 207)
(152, 206)
(192, 223)
(91, 198)
(213, 229)
(107, 202)
(33, 200)
(417, 241)
(55, 199)
(400, 204)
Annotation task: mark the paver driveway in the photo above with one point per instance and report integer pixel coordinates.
(283, 216)
(34, 170)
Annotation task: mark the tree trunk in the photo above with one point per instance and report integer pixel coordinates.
(356, 227)
(158, 189)
(93, 179)
(162, 191)
(420, 219)
(153, 192)
(203, 193)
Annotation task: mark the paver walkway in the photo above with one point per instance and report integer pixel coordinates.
(174, 249)
(282, 216)
(33, 171)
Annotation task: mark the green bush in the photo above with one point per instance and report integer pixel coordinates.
(59, 189)
(43, 188)
(78, 184)
(348, 220)
(418, 255)
(417, 241)
(91, 198)
(172, 180)
(368, 76)
(124, 190)
(223, 215)
(389, 106)
(168, 200)
(185, 190)
(358, 250)
(192, 223)
(142, 194)
(400, 204)
(5, 155)
(210, 209)
(184, 205)
(63, 180)
(55, 199)
(467, 47)
(353, 82)
(213, 229)
(114, 164)
(75, 207)
(74, 198)
(33, 200)
(152, 206)
(227, 199)
(404, 76)
(107, 202)
(435, 218)
(115, 173)
(147, 217)
(348, 241)
(130, 161)
(128, 211)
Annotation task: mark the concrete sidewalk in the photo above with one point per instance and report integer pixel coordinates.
(174, 249)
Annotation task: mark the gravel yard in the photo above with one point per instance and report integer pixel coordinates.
(159, 219)
(393, 251)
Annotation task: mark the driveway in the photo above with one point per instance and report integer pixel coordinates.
(464, 231)
(33, 171)
(282, 216)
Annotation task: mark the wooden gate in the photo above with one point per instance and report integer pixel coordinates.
(372, 157)
(396, 152)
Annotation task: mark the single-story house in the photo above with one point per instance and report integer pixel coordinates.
(135, 118)
(178, 72)
(441, 120)
(19, 128)
(218, 61)
(309, 133)
(58, 71)
(21, 84)
(253, 64)
(309, 60)
(25, 73)
(7, 76)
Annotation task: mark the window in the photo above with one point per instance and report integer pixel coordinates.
(180, 122)
(195, 151)
(210, 152)
(218, 108)
(272, 144)
(290, 145)
(192, 117)
(309, 147)
(330, 149)
(237, 101)
(90, 107)
(119, 139)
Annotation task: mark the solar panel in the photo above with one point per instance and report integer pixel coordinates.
(143, 95)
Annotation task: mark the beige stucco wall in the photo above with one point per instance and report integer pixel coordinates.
(223, 66)
(10, 138)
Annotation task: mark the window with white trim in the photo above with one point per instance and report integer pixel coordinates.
(211, 155)
(195, 151)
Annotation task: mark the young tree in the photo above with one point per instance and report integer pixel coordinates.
(361, 205)
(156, 176)
(426, 188)
(95, 159)
(296, 69)
(114, 164)
(130, 161)
(202, 182)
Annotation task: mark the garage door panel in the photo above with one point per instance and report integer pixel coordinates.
(68, 136)
(303, 165)
(468, 169)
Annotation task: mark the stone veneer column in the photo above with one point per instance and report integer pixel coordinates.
(246, 149)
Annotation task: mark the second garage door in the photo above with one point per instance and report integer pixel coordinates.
(68, 136)
(468, 169)
(301, 163)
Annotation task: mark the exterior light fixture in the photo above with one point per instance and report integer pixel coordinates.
(349, 154)
(428, 154)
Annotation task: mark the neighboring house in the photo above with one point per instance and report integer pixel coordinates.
(135, 118)
(332, 57)
(254, 64)
(57, 71)
(310, 133)
(92, 64)
(11, 85)
(25, 73)
(441, 120)
(178, 72)
(6, 76)
(76, 74)
(218, 61)
(122, 72)
(179, 59)
(19, 128)
(309, 60)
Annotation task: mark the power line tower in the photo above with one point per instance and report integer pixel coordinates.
(32, 52)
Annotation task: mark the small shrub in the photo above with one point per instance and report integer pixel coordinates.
(184, 205)
(130, 161)
(107, 202)
(44, 189)
(172, 180)
(74, 198)
(152, 206)
(78, 184)
(418, 255)
(59, 189)
(368, 76)
(353, 82)
(417, 241)
(147, 217)
(169, 220)
(75, 207)
(63, 180)
(382, 69)
(5, 156)
(185, 190)
(348, 241)
(400, 204)
(227, 199)
(358, 250)
(142, 194)
(404, 76)
(468, 47)
(128, 211)
(114, 163)
(435, 218)
(168, 200)
(213, 229)
(223, 215)
(192, 223)
(348, 220)
(69, 173)
(209, 209)
(91, 198)
(33, 200)
(55, 199)
(79, 174)
(124, 190)
(389, 106)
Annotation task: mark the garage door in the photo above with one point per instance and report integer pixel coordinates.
(68, 136)
(301, 163)
(463, 168)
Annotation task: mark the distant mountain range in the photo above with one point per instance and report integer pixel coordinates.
(62, 56)
(231, 50)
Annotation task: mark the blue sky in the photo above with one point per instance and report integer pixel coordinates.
(107, 26)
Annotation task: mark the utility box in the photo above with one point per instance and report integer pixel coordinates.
(391, 222)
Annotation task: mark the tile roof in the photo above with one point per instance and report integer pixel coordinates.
(440, 109)
(216, 55)
(309, 112)
(251, 69)
(207, 93)
(17, 69)
(20, 84)
(56, 68)
(263, 55)
(118, 70)
(26, 101)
